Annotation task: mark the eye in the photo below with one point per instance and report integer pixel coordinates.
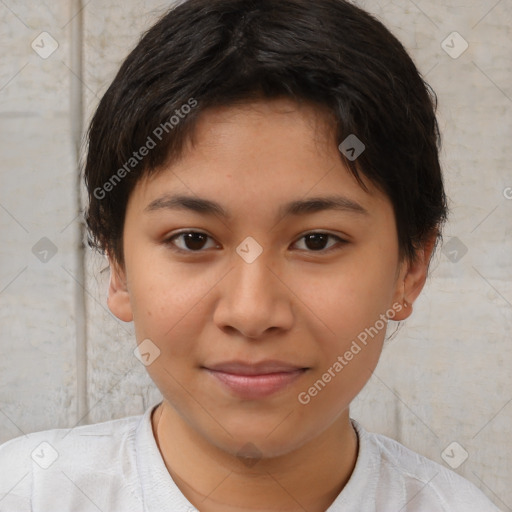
(316, 241)
(193, 241)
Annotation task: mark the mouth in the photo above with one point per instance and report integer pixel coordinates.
(255, 380)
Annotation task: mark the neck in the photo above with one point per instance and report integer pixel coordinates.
(308, 478)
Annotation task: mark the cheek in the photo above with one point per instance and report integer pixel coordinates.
(167, 302)
(351, 339)
(349, 298)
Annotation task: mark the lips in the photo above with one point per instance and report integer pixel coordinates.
(255, 380)
(259, 368)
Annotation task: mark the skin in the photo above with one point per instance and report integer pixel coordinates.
(297, 302)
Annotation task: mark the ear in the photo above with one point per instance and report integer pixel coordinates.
(412, 278)
(118, 298)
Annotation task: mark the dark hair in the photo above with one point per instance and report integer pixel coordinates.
(206, 53)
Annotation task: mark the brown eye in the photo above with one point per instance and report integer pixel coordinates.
(316, 242)
(191, 241)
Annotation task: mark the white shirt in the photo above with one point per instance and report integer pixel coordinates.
(116, 466)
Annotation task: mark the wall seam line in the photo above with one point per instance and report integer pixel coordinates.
(77, 117)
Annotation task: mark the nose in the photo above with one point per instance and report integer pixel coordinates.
(254, 301)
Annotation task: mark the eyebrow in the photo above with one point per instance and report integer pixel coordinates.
(294, 208)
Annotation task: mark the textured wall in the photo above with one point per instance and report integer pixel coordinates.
(453, 355)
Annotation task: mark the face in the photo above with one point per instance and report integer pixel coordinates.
(262, 274)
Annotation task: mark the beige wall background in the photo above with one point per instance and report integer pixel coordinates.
(443, 386)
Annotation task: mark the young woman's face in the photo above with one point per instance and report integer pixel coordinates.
(256, 323)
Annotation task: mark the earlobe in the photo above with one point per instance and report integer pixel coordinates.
(118, 298)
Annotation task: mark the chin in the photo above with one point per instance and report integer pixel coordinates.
(261, 441)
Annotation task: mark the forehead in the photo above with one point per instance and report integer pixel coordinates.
(274, 152)
(262, 126)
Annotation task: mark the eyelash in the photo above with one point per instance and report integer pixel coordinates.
(172, 246)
